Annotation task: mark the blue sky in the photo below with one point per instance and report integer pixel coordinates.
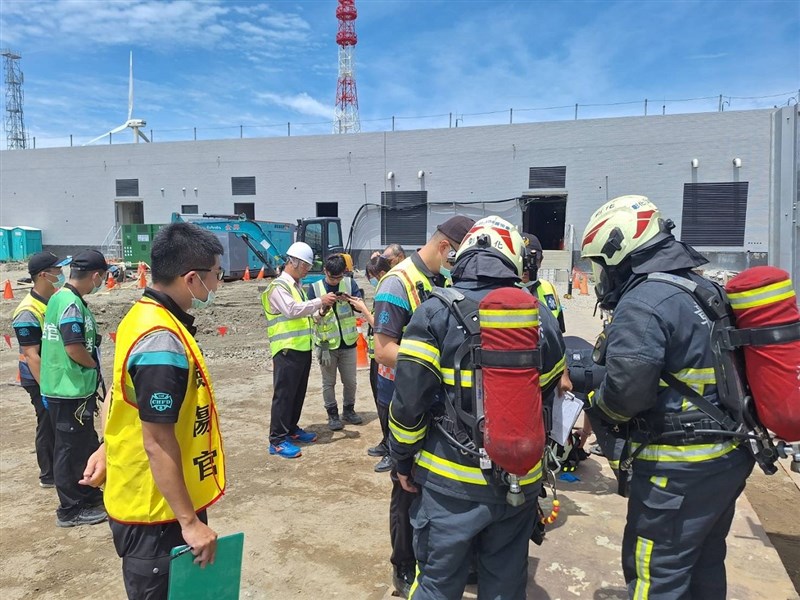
(216, 65)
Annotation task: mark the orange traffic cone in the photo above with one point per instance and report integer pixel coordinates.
(260, 274)
(8, 293)
(576, 279)
(362, 360)
(246, 274)
(584, 285)
(111, 282)
(142, 280)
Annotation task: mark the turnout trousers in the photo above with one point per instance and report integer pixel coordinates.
(450, 532)
(75, 441)
(290, 371)
(674, 547)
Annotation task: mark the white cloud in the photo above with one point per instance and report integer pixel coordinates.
(301, 103)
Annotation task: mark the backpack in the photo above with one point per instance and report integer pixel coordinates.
(504, 431)
(739, 352)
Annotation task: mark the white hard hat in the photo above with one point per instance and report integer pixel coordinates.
(301, 251)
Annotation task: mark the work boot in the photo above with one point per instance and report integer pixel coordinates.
(334, 423)
(385, 464)
(379, 450)
(351, 416)
(85, 516)
(403, 578)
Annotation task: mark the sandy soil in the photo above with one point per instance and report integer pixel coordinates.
(316, 526)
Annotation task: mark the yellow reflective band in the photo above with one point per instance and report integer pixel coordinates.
(614, 464)
(465, 474)
(604, 407)
(690, 454)
(420, 350)
(404, 435)
(414, 585)
(449, 377)
(546, 378)
(768, 294)
(508, 319)
(644, 550)
(659, 481)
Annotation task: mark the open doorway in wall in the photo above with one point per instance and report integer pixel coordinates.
(545, 217)
(129, 212)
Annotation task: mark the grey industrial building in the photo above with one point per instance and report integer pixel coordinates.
(729, 180)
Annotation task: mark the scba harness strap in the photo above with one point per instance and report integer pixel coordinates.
(737, 419)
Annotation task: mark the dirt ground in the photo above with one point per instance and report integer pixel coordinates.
(316, 526)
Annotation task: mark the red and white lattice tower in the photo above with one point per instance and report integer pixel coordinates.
(345, 118)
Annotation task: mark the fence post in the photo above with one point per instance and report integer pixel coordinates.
(510, 116)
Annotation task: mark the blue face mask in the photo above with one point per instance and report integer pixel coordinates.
(97, 289)
(373, 281)
(59, 282)
(197, 303)
(445, 272)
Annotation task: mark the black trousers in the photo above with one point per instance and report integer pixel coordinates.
(144, 550)
(45, 437)
(290, 371)
(400, 532)
(75, 441)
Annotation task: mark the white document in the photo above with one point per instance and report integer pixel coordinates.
(566, 410)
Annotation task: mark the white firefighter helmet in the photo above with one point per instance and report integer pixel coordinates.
(620, 227)
(497, 235)
(301, 251)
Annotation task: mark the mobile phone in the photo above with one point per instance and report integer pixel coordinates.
(340, 294)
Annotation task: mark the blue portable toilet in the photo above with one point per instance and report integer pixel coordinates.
(25, 241)
(5, 243)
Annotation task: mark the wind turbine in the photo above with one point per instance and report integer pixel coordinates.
(134, 124)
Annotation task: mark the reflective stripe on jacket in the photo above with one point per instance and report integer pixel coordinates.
(285, 333)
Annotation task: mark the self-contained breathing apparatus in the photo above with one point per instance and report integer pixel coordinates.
(738, 417)
(503, 431)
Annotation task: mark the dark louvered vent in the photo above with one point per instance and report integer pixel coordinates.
(547, 177)
(243, 186)
(127, 188)
(714, 214)
(404, 218)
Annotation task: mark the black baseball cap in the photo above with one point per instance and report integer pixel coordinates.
(45, 260)
(89, 260)
(532, 242)
(456, 228)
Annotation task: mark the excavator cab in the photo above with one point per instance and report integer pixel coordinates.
(324, 235)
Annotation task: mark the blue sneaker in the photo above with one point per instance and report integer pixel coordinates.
(305, 437)
(286, 449)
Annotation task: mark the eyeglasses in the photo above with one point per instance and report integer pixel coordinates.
(220, 273)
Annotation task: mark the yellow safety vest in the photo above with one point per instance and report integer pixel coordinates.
(131, 495)
(285, 333)
(410, 275)
(38, 308)
(327, 328)
(545, 289)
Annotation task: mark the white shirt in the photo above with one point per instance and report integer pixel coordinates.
(282, 300)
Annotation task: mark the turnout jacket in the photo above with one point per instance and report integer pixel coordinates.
(658, 328)
(425, 375)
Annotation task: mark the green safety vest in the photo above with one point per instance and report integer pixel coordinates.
(327, 329)
(286, 333)
(62, 377)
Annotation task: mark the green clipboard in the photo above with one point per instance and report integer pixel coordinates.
(220, 581)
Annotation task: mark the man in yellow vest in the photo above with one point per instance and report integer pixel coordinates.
(164, 454)
(28, 323)
(541, 288)
(335, 337)
(399, 294)
(289, 327)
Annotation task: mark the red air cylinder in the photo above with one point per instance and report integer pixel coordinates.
(765, 297)
(512, 399)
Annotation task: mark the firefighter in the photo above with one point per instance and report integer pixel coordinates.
(461, 509)
(683, 488)
(541, 288)
(399, 294)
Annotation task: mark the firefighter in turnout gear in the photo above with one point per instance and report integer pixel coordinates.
(461, 510)
(684, 485)
(399, 294)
